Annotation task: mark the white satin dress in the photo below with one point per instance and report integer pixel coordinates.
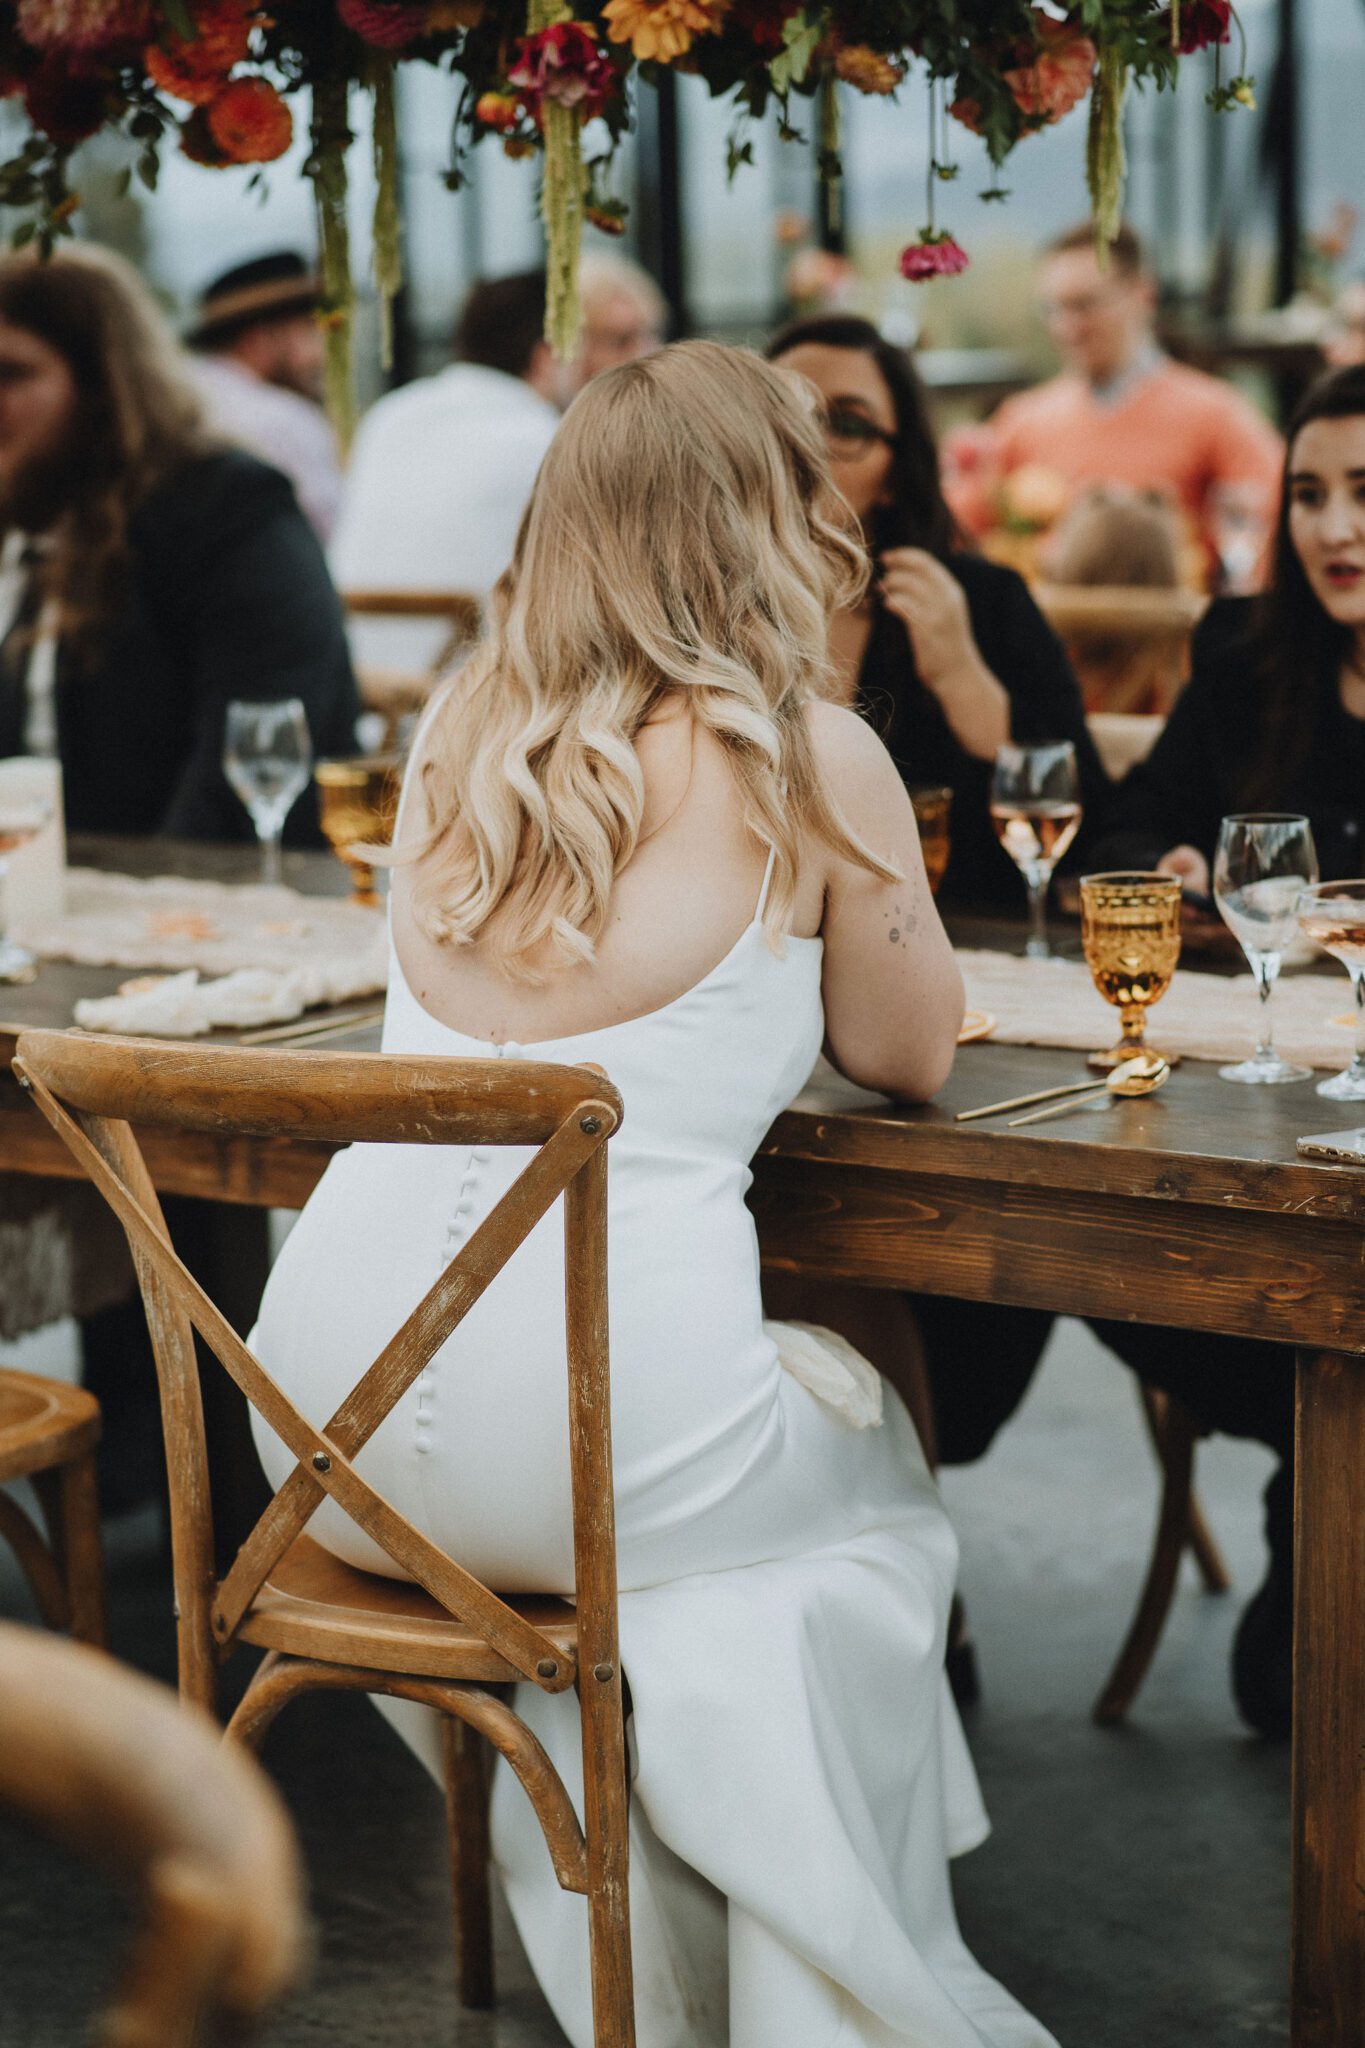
(800, 1776)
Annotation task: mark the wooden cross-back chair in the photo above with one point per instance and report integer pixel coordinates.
(444, 1638)
(397, 694)
(114, 1767)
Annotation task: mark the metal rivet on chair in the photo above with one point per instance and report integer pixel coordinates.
(547, 1668)
(604, 1673)
(321, 1462)
(590, 1126)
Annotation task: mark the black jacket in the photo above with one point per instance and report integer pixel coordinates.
(227, 596)
(1208, 761)
(1024, 654)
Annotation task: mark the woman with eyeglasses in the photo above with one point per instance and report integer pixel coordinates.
(948, 656)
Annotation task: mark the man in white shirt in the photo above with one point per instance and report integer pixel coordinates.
(442, 468)
(258, 365)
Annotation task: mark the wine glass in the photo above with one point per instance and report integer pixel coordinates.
(933, 808)
(1130, 929)
(1240, 519)
(1036, 812)
(358, 798)
(1332, 914)
(1264, 858)
(20, 821)
(266, 757)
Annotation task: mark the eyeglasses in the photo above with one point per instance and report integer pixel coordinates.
(851, 434)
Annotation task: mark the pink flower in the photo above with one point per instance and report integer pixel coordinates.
(1203, 22)
(567, 64)
(388, 24)
(1058, 75)
(84, 25)
(933, 255)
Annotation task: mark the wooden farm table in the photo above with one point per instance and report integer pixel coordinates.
(1189, 1207)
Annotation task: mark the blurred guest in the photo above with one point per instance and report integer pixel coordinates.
(259, 369)
(442, 468)
(1122, 411)
(1273, 716)
(151, 575)
(1116, 538)
(1345, 343)
(949, 657)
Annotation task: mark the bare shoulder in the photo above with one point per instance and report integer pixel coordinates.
(859, 773)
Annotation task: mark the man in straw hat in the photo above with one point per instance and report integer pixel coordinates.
(259, 353)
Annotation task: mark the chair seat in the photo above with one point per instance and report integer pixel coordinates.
(314, 1605)
(43, 1423)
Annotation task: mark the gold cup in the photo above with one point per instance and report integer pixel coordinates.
(1130, 928)
(932, 808)
(358, 799)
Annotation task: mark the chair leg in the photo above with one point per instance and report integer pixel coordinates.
(1203, 1548)
(607, 1817)
(81, 1550)
(467, 1789)
(36, 1560)
(1173, 1432)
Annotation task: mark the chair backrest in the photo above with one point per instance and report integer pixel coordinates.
(117, 1769)
(92, 1090)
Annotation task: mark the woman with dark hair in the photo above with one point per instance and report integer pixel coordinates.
(1273, 716)
(150, 574)
(949, 657)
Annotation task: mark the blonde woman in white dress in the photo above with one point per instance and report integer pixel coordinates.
(634, 833)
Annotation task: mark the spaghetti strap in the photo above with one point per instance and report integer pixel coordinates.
(767, 881)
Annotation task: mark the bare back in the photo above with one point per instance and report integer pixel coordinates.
(691, 890)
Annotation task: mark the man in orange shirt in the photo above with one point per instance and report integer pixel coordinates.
(1122, 411)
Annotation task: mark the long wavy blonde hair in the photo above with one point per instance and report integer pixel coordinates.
(683, 536)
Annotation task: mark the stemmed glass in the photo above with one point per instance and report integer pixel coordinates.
(1036, 812)
(19, 822)
(1264, 858)
(1333, 915)
(267, 756)
(1130, 929)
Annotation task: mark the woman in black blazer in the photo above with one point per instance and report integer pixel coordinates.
(176, 575)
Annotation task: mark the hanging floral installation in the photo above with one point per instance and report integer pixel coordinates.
(221, 80)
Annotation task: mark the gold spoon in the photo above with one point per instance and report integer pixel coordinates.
(1087, 1087)
(1140, 1076)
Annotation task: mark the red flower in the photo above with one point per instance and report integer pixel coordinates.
(565, 63)
(1203, 22)
(198, 69)
(388, 24)
(64, 107)
(84, 25)
(933, 255)
(250, 122)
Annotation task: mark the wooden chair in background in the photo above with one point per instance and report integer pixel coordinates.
(399, 694)
(112, 1766)
(1130, 647)
(442, 1639)
(48, 1434)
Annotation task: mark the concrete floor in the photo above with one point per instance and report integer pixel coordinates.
(1134, 1893)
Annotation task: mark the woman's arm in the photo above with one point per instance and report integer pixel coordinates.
(892, 988)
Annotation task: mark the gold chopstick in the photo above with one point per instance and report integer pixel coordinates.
(1058, 1108)
(315, 1027)
(965, 1116)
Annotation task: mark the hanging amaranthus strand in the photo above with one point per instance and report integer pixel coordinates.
(388, 261)
(1104, 164)
(831, 176)
(563, 192)
(327, 168)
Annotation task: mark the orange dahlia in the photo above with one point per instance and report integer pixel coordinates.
(195, 70)
(660, 30)
(250, 122)
(867, 70)
(1058, 76)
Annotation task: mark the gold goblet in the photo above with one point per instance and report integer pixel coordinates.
(1130, 928)
(358, 800)
(932, 808)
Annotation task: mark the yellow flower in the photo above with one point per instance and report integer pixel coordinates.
(663, 30)
(867, 69)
